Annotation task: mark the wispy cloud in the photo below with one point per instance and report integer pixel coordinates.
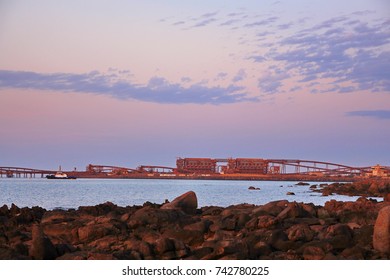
(241, 75)
(344, 53)
(377, 114)
(178, 22)
(353, 53)
(208, 15)
(204, 22)
(271, 82)
(263, 22)
(157, 90)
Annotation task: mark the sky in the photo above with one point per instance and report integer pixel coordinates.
(131, 83)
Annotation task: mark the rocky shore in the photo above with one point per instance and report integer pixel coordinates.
(375, 188)
(180, 230)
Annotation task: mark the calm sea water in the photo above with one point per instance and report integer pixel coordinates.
(51, 194)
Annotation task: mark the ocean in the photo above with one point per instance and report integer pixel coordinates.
(66, 194)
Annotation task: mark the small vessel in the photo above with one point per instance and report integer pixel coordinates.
(60, 175)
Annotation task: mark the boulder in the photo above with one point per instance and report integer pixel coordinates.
(187, 202)
(381, 238)
(41, 246)
(313, 253)
(95, 231)
(155, 217)
(271, 208)
(300, 232)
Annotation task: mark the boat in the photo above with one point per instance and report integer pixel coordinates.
(60, 175)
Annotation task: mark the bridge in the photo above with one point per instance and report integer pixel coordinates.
(214, 167)
(22, 172)
(297, 166)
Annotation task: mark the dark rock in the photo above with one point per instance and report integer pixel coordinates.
(271, 208)
(41, 246)
(353, 253)
(190, 237)
(290, 193)
(300, 232)
(313, 253)
(266, 221)
(293, 210)
(339, 236)
(78, 255)
(155, 217)
(202, 252)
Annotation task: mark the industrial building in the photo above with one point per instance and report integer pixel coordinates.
(196, 165)
(247, 166)
(212, 166)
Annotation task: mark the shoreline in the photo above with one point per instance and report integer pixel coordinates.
(180, 230)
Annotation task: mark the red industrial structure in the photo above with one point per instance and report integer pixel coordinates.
(228, 168)
(247, 166)
(196, 165)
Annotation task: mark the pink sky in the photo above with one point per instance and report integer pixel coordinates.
(144, 83)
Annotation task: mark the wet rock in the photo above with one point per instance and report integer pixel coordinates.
(327, 192)
(381, 238)
(302, 184)
(187, 202)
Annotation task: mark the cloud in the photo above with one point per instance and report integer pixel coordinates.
(377, 114)
(271, 82)
(257, 58)
(356, 54)
(241, 75)
(204, 22)
(229, 22)
(186, 80)
(266, 21)
(178, 22)
(285, 26)
(221, 76)
(208, 15)
(157, 90)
